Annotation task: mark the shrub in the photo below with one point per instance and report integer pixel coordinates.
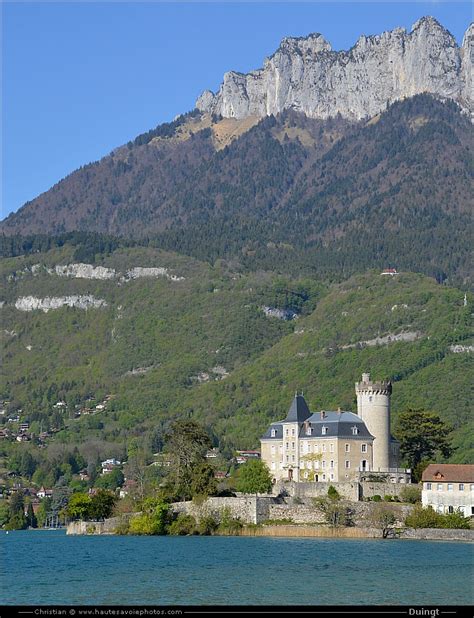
(207, 525)
(229, 524)
(376, 498)
(183, 525)
(122, 528)
(422, 518)
(456, 520)
(297, 500)
(428, 518)
(152, 521)
(411, 494)
(333, 494)
(143, 524)
(283, 521)
(335, 513)
(384, 518)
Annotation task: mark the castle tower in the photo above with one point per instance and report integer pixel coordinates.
(373, 406)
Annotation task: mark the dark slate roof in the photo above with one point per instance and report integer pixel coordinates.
(338, 424)
(278, 435)
(298, 411)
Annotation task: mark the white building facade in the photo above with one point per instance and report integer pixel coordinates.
(449, 488)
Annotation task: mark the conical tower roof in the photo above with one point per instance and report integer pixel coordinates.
(298, 411)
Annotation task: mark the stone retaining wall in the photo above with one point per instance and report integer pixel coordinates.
(354, 491)
(307, 513)
(108, 526)
(249, 509)
(312, 531)
(438, 534)
(349, 491)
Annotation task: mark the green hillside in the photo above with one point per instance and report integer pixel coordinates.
(195, 341)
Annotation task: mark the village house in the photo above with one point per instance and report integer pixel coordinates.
(129, 486)
(448, 488)
(44, 493)
(243, 456)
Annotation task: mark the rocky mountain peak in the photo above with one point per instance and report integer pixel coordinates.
(306, 75)
(309, 45)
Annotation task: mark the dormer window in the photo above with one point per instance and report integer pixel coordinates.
(273, 433)
(324, 431)
(309, 430)
(355, 431)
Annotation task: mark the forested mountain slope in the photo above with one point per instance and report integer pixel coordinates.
(167, 336)
(329, 196)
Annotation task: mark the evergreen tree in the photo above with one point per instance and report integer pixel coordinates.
(422, 435)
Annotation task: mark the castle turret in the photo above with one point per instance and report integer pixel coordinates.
(373, 406)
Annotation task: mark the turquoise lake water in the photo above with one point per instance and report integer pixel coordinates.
(48, 567)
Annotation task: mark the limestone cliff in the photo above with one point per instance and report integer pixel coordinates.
(306, 75)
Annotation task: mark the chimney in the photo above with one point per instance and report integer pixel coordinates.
(323, 414)
(339, 410)
(366, 378)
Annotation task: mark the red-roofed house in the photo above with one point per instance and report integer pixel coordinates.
(449, 487)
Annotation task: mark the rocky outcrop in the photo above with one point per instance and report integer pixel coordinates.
(83, 271)
(32, 303)
(281, 314)
(88, 271)
(305, 74)
(140, 271)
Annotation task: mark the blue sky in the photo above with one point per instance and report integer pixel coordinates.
(80, 79)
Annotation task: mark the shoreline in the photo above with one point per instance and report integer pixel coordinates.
(108, 527)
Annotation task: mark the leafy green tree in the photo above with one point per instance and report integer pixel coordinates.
(422, 434)
(203, 482)
(254, 478)
(102, 504)
(111, 480)
(79, 506)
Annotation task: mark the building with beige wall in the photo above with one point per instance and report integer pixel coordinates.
(335, 446)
